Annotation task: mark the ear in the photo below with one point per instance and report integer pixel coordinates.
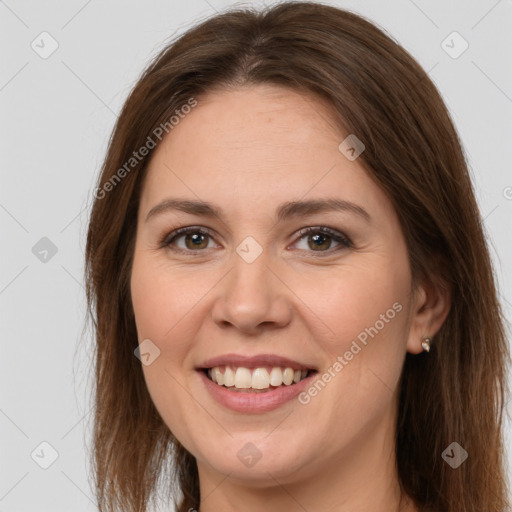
(430, 306)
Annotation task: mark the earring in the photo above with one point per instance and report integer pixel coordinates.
(425, 343)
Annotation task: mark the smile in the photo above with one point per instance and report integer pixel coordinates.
(255, 380)
(254, 383)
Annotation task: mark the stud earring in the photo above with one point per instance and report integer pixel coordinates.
(425, 343)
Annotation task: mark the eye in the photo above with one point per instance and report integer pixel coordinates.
(319, 239)
(194, 238)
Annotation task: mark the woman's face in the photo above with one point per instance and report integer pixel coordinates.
(250, 290)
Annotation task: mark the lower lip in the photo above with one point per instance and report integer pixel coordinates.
(254, 402)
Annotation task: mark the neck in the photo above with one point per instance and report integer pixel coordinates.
(231, 496)
(362, 478)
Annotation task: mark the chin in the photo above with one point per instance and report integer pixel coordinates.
(256, 465)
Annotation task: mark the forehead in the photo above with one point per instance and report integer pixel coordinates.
(258, 144)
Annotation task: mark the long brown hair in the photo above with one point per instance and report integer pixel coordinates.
(376, 90)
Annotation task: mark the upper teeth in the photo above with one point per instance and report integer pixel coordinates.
(256, 378)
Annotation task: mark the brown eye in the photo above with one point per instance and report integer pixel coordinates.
(194, 239)
(320, 239)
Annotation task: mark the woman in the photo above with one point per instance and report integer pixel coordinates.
(293, 296)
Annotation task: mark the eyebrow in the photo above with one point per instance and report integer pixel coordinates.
(291, 209)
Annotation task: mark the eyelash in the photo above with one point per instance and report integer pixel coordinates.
(342, 239)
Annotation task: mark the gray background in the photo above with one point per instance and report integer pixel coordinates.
(56, 116)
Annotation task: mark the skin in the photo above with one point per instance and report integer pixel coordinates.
(247, 151)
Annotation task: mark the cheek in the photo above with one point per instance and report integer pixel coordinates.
(163, 298)
(364, 318)
(163, 306)
(353, 298)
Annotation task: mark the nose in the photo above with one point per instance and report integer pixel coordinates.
(252, 298)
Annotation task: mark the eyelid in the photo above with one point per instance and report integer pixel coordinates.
(342, 239)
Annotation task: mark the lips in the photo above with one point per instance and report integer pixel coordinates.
(251, 400)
